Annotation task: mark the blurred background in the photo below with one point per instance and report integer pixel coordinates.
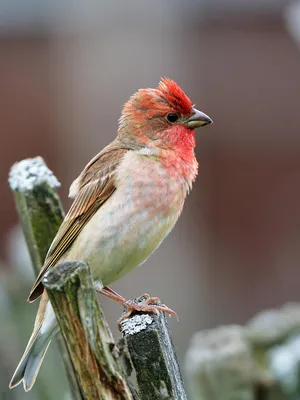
(67, 67)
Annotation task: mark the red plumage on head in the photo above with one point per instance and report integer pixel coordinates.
(146, 104)
(175, 96)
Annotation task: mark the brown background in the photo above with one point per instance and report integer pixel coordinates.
(235, 251)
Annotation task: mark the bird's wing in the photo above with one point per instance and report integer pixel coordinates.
(90, 190)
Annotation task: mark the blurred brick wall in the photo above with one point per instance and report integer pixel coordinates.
(25, 114)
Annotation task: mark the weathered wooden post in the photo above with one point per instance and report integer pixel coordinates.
(153, 356)
(40, 213)
(258, 361)
(90, 343)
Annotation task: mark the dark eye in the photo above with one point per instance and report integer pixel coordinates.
(172, 117)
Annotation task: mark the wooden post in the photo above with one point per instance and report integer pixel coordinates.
(219, 365)
(259, 361)
(40, 213)
(38, 206)
(153, 356)
(86, 333)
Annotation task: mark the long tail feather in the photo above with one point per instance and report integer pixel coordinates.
(44, 329)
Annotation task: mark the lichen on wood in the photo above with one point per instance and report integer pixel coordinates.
(38, 205)
(40, 213)
(87, 336)
(219, 365)
(153, 356)
(258, 361)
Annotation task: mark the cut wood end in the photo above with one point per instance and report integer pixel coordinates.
(136, 324)
(56, 278)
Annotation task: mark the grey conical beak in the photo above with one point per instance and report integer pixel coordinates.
(198, 119)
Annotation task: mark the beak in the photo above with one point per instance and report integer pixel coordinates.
(198, 119)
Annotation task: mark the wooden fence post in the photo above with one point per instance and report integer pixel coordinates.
(90, 343)
(258, 361)
(40, 213)
(153, 356)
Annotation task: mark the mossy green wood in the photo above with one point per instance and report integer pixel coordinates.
(258, 361)
(41, 213)
(153, 356)
(88, 338)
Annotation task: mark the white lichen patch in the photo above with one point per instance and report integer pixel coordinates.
(285, 363)
(275, 325)
(29, 173)
(219, 364)
(136, 324)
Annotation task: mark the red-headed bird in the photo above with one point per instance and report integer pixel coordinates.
(126, 201)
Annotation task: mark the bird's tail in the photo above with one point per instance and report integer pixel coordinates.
(44, 329)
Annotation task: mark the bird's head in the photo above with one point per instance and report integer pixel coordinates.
(164, 114)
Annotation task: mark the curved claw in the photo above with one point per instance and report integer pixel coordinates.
(147, 305)
(166, 309)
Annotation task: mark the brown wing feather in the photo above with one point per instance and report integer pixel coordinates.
(91, 189)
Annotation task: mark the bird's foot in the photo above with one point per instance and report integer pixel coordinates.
(145, 304)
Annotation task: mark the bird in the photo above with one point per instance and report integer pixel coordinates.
(126, 201)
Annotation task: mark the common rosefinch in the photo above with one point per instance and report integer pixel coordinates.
(126, 201)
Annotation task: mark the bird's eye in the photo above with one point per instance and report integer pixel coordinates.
(172, 117)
